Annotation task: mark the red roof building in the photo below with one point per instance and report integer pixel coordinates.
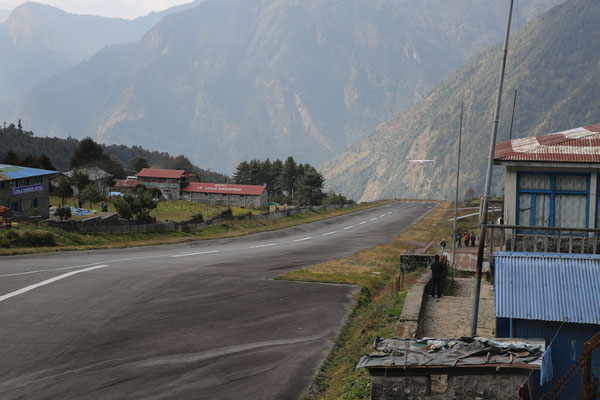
(225, 188)
(227, 194)
(580, 145)
(552, 180)
(125, 184)
(169, 181)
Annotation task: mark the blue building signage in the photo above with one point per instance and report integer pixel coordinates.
(27, 189)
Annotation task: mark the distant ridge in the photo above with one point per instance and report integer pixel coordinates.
(232, 80)
(553, 62)
(38, 40)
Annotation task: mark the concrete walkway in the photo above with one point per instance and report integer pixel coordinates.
(450, 316)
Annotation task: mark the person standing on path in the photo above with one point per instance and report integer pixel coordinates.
(459, 239)
(443, 245)
(466, 237)
(472, 239)
(437, 270)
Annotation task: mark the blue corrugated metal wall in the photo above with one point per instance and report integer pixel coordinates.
(566, 348)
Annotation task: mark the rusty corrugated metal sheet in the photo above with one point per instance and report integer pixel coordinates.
(162, 173)
(548, 286)
(580, 145)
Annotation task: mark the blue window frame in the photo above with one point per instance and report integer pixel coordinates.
(34, 203)
(553, 199)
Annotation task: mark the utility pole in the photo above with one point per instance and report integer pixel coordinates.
(512, 119)
(456, 195)
(488, 180)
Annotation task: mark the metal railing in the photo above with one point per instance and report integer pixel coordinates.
(541, 239)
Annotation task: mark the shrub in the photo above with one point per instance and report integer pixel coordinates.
(63, 212)
(197, 218)
(38, 239)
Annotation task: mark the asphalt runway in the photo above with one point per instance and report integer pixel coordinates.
(199, 320)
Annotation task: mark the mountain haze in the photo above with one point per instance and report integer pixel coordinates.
(3, 15)
(38, 40)
(230, 80)
(554, 62)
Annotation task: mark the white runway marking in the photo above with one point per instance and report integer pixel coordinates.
(382, 215)
(302, 240)
(349, 227)
(389, 213)
(329, 233)
(263, 245)
(47, 282)
(362, 223)
(49, 270)
(194, 254)
(373, 219)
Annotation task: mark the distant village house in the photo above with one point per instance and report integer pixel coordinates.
(25, 191)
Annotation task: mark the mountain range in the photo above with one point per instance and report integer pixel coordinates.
(553, 62)
(230, 80)
(38, 41)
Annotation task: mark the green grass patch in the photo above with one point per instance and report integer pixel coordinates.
(377, 307)
(174, 210)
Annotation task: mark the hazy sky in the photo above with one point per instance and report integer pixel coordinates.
(107, 8)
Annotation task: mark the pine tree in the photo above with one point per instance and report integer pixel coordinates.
(11, 158)
(242, 173)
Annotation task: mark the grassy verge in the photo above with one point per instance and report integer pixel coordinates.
(26, 239)
(377, 308)
(175, 210)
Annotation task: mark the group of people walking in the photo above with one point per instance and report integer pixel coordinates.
(469, 240)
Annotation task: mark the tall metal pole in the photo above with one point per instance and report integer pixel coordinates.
(488, 180)
(512, 119)
(456, 195)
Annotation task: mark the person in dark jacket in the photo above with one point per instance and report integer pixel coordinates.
(437, 270)
(472, 239)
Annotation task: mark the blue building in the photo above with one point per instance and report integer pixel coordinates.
(554, 296)
(25, 191)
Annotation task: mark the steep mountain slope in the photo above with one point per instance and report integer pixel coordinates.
(554, 62)
(237, 79)
(37, 41)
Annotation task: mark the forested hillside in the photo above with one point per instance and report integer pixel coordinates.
(59, 151)
(232, 80)
(553, 62)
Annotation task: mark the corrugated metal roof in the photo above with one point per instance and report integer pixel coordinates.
(162, 173)
(224, 188)
(130, 183)
(10, 172)
(548, 286)
(579, 145)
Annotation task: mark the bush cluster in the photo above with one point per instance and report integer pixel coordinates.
(27, 239)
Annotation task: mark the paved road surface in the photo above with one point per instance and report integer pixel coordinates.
(192, 321)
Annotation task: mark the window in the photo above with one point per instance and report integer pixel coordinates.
(1, 185)
(15, 206)
(40, 179)
(25, 181)
(560, 200)
(34, 203)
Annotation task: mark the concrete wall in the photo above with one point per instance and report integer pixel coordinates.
(493, 386)
(25, 200)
